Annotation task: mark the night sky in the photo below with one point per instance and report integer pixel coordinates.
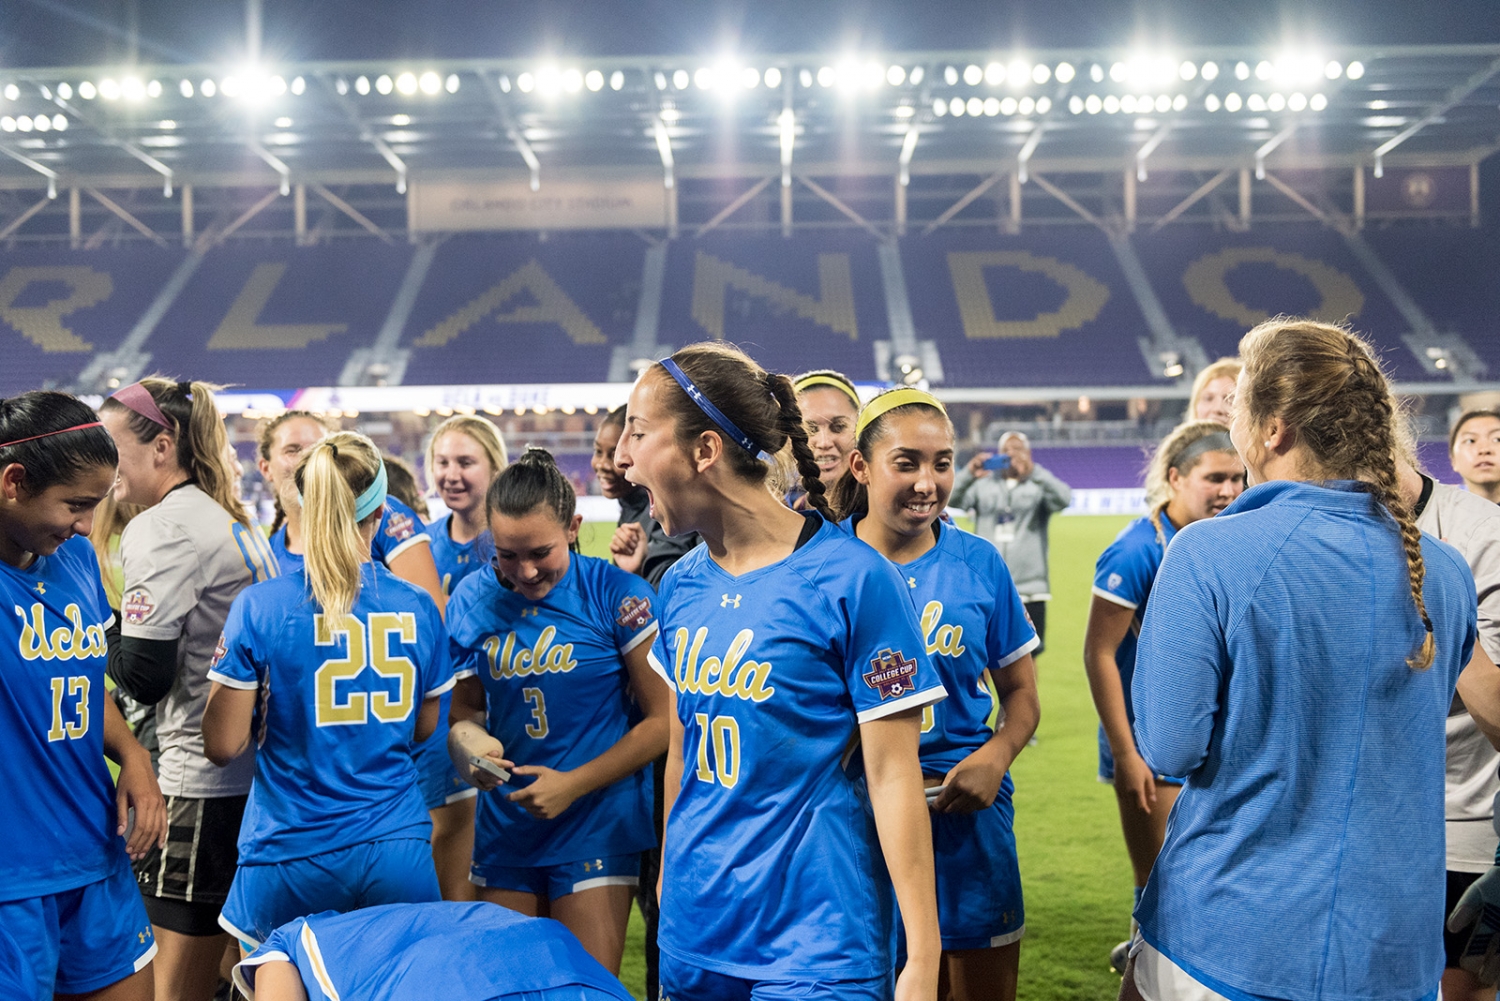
(93, 32)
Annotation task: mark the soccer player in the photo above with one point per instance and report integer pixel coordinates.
(185, 560)
(1194, 474)
(830, 405)
(978, 636)
(1296, 665)
(71, 919)
(1474, 448)
(339, 666)
(556, 688)
(402, 544)
(464, 456)
(417, 952)
(791, 651)
(1213, 388)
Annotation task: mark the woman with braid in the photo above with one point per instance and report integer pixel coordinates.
(1295, 666)
(797, 676)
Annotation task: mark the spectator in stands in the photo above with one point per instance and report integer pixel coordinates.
(1474, 448)
(1212, 391)
(1013, 509)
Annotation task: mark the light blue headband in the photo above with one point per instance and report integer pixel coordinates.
(366, 503)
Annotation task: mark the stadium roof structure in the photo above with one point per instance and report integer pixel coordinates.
(878, 142)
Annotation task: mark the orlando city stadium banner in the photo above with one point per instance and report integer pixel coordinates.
(557, 203)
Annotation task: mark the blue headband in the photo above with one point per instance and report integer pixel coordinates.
(366, 503)
(716, 415)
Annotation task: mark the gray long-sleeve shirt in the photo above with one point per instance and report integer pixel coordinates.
(1020, 510)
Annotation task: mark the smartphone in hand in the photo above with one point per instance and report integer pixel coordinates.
(488, 765)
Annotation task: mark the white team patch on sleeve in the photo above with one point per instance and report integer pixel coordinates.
(1114, 581)
(137, 606)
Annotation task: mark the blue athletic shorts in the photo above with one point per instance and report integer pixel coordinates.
(265, 897)
(1107, 764)
(978, 880)
(436, 776)
(82, 940)
(684, 982)
(553, 881)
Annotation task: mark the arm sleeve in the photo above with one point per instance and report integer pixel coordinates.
(400, 529)
(143, 669)
(236, 662)
(1056, 495)
(886, 667)
(1179, 664)
(1483, 556)
(162, 580)
(1011, 634)
(1125, 570)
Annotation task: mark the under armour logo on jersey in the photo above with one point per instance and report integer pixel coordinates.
(728, 602)
(911, 582)
(41, 588)
(595, 866)
(532, 612)
(892, 674)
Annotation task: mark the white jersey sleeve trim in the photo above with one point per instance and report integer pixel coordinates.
(1114, 598)
(418, 539)
(243, 982)
(645, 634)
(464, 672)
(916, 700)
(106, 624)
(253, 943)
(661, 669)
(235, 683)
(444, 687)
(1011, 658)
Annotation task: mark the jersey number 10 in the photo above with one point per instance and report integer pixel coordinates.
(722, 739)
(369, 647)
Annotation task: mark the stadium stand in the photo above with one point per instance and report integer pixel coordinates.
(1450, 272)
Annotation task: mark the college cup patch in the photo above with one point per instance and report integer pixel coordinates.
(137, 606)
(400, 527)
(635, 612)
(892, 674)
(219, 652)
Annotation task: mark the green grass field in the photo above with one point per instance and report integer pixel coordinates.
(1073, 865)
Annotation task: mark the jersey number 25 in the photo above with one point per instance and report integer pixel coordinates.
(369, 647)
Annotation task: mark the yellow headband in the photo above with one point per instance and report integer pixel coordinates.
(803, 385)
(886, 402)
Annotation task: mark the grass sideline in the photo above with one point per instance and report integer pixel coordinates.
(1073, 864)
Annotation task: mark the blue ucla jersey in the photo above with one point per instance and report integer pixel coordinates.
(400, 529)
(456, 560)
(337, 712)
(414, 952)
(973, 621)
(60, 800)
(558, 695)
(1123, 575)
(773, 867)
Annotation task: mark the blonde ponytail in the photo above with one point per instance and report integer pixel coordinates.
(332, 474)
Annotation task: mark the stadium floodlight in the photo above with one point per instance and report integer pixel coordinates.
(826, 76)
(1211, 103)
(572, 80)
(1163, 103)
(167, 124)
(1297, 102)
(1210, 71)
(283, 122)
(874, 75)
(12, 92)
(1232, 102)
(1096, 73)
(452, 84)
(1317, 102)
(991, 106)
(526, 83)
(208, 88)
(1255, 102)
(108, 89)
(1111, 104)
(950, 75)
(670, 114)
(276, 85)
(956, 107)
(430, 82)
(1188, 70)
(974, 107)
(1242, 70)
(1354, 70)
(1118, 72)
(361, 85)
(749, 78)
(132, 89)
(24, 124)
(905, 111)
(847, 75)
(680, 79)
(1065, 72)
(617, 80)
(1264, 70)
(88, 92)
(1075, 104)
(939, 107)
(42, 123)
(406, 83)
(805, 78)
(895, 76)
(1127, 104)
(8, 123)
(1026, 106)
(594, 80)
(1018, 73)
(64, 90)
(703, 78)
(788, 127)
(1041, 73)
(772, 77)
(1180, 102)
(1043, 104)
(1092, 104)
(917, 75)
(1275, 101)
(397, 120)
(1333, 70)
(972, 75)
(153, 89)
(299, 86)
(384, 84)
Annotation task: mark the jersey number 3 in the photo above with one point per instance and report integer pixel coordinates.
(369, 647)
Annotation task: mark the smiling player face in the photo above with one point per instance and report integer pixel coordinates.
(611, 481)
(462, 472)
(291, 439)
(532, 551)
(39, 523)
(909, 473)
(830, 416)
